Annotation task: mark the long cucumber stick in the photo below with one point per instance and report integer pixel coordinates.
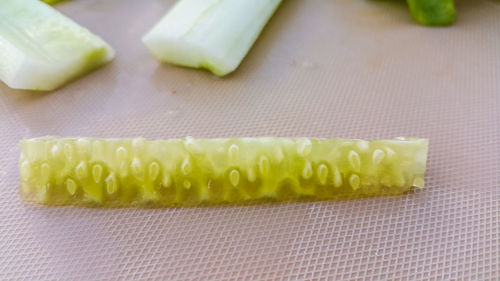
(187, 172)
(211, 34)
(41, 49)
(432, 12)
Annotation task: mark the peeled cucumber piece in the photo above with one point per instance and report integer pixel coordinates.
(432, 12)
(211, 34)
(190, 172)
(41, 49)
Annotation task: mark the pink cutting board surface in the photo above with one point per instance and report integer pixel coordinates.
(339, 68)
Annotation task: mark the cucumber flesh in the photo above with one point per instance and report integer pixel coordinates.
(188, 172)
(41, 49)
(211, 34)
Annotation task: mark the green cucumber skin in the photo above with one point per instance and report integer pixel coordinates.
(52, 2)
(432, 12)
(190, 172)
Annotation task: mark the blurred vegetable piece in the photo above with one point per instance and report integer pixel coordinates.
(432, 12)
(53, 2)
(41, 49)
(211, 34)
(189, 172)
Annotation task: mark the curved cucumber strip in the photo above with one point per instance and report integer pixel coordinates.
(432, 12)
(41, 49)
(211, 34)
(187, 172)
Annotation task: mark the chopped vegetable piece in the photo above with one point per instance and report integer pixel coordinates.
(432, 12)
(211, 34)
(41, 49)
(53, 2)
(187, 172)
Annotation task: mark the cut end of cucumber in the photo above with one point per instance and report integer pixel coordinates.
(188, 172)
(41, 49)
